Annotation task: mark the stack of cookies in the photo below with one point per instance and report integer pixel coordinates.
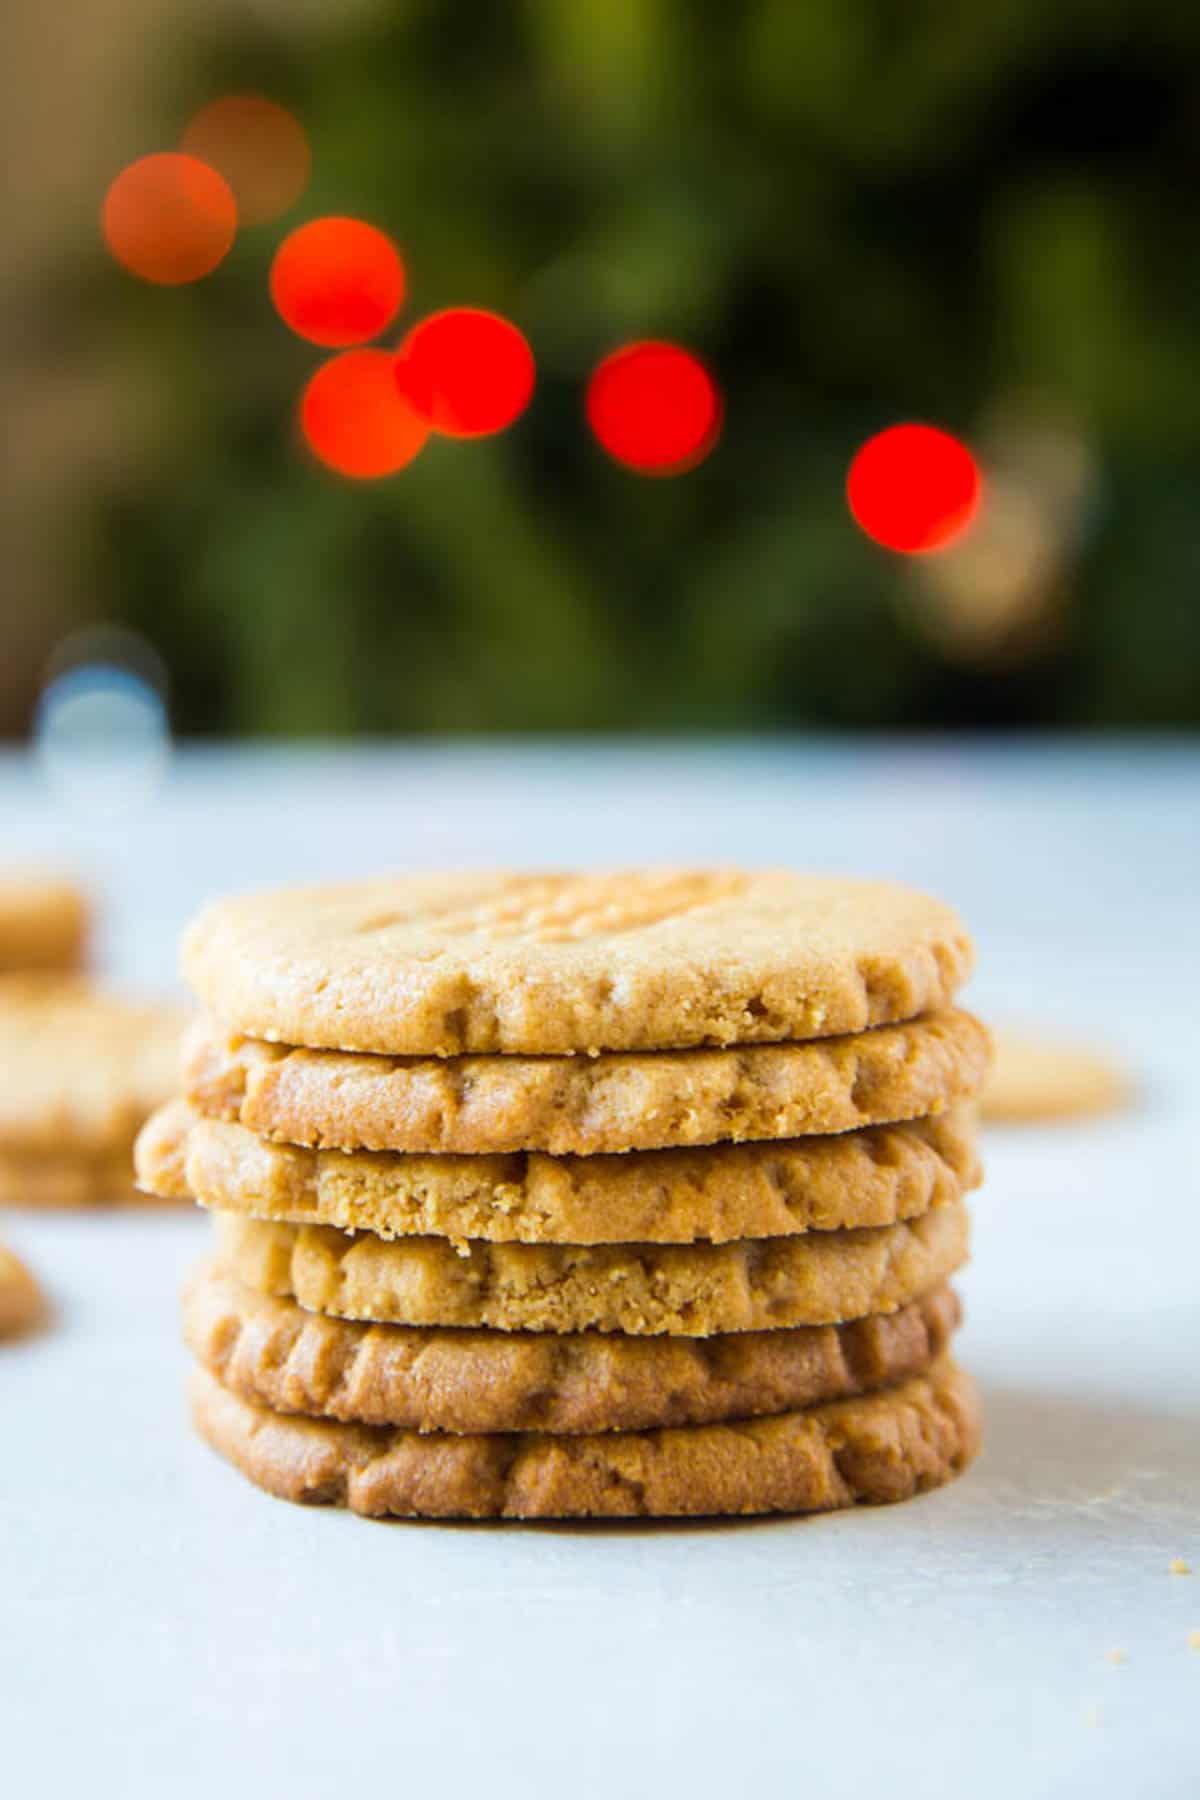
(579, 1196)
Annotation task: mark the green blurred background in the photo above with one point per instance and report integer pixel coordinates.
(857, 212)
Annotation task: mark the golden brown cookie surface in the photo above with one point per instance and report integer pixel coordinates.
(871, 1450)
(715, 1194)
(273, 1353)
(581, 1105)
(688, 1290)
(534, 964)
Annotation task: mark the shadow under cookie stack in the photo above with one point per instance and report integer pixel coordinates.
(579, 1196)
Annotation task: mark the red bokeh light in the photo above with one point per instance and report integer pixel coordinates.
(468, 372)
(655, 408)
(914, 488)
(337, 281)
(355, 419)
(169, 218)
(259, 148)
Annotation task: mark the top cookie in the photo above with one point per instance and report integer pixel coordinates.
(43, 923)
(439, 965)
(83, 1069)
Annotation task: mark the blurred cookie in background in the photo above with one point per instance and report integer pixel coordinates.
(81, 1069)
(22, 1302)
(1037, 1079)
(45, 922)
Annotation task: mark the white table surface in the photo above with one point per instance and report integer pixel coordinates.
(165, 1629)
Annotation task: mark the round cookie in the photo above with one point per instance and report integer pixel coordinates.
(690, 1290)
(584, 1106)
(874, 1449)
(439, 965)
(83, 1069)
(44, 923)
(1034, 1080)
(22, 1303)
(273, 1353)
(716, 1194)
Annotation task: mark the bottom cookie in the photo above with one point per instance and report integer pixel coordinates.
(872, 1450)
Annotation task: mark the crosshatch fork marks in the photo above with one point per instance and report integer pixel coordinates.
(565, 909)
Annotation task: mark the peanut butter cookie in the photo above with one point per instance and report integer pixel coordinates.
(712, 1195)
(687, 1290)
(439, 965)
(875, 1449)
(43, 923)
(582, 1105)
(275, 1354)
